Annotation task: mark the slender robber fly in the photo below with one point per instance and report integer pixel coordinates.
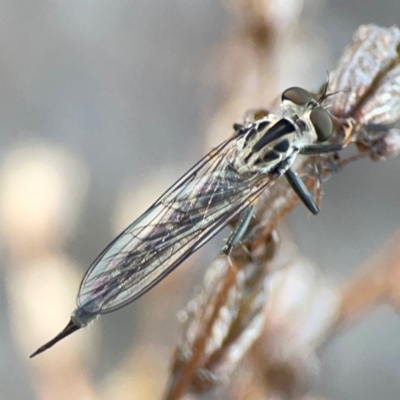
(224, 185)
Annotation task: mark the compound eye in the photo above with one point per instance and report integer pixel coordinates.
(322, 123)
(298, 96)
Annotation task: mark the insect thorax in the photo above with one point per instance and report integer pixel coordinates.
(267, 144)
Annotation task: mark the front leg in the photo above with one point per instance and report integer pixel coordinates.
(315, 149)
(300, 189)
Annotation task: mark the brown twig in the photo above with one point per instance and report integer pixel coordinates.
(366, 76)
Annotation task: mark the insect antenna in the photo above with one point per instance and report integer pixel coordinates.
(325, 93)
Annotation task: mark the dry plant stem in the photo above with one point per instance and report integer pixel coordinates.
(379, 282)
(179, 387)
(368, 74)
(253, 286)
(275, 377)
(187, 370)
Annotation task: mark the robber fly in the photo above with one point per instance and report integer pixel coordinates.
(224, 185)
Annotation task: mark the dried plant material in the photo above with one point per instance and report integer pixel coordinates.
(301, 311)
(388, 146)
(379, 282)
(221, 323)
(366, 87)
(366, 76)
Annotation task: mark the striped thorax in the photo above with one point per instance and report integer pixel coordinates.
(270, 144)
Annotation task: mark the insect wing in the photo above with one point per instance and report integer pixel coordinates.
(193, 210)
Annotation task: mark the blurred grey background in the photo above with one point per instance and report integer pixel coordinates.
(128, 88)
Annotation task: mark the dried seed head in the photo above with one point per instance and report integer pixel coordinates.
(367, 78)
(302, 309)
(388, 146)
(222, 322)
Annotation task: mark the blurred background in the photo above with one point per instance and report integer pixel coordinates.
(103, 105)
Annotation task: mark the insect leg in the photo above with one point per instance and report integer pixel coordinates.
(321, 148)
(239, 230)
(317, 185)
(300, 189)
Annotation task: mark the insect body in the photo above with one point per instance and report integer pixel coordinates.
(222, 186)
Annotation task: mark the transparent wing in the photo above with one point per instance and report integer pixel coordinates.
(193, 210)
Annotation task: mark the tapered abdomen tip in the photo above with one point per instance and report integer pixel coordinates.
(70, 328)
